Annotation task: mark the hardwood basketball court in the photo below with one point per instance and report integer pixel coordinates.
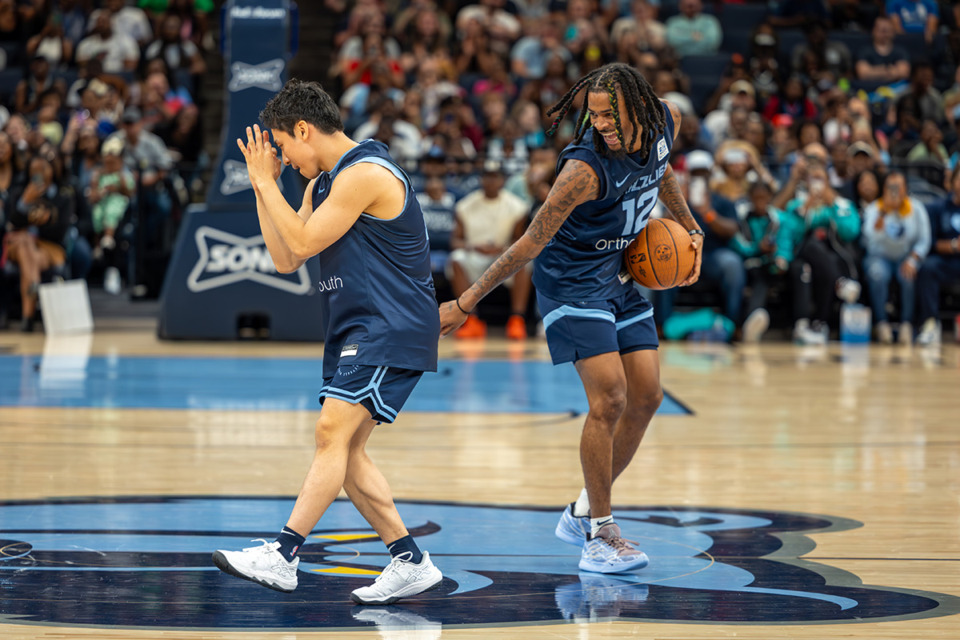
(784, 492)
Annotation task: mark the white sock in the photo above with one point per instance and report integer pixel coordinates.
(582, 506)
(596, 523)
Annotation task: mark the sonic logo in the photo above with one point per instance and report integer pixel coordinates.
(225, 259)
(60, 560)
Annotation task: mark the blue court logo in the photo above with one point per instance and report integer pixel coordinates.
(145, 562)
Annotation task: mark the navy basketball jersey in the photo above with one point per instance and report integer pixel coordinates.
(380, 305)
(584, 259)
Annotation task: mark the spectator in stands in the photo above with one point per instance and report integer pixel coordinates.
(147, 156)
(127, 19)
(26, 95)
(51, 43)
(739, 164)
(438, 205)
(921, 100)
(693, 32)
(756, 242)
(179, 52)
(729, 119)
(499, 24)
(368, 48)
(765, 72)
(117, 51)
(896, 235)
(833, 56)
(930, 149)
(795, 186)
(386, 125)
(942, 264)
(529, 56)
(184, 139)
(487, 222)
(80, 150)
(863, 187)
(112, 186)
(73, 19)
(433, 81)
(882, 62)
(194, 16)
(813, 241)
(722, 268)
(640, 30)
(39, 220)
(792, 101)
(423, 32)
(12, 174)
(914, 16)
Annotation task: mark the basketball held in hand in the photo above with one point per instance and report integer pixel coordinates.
(662, 256)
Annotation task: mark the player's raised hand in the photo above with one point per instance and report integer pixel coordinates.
(261, 156)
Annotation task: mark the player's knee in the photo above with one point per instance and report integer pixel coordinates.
(646, 404)
(330, 432)
(609, 404)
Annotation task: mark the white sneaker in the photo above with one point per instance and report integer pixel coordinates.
(398, 580)
(756, 325)
(905, 334)
(848, 290)
(573, 529)
(930, 333)
(111, 281)
(264, 565)
(884, 333)
(804, 334)
(608, 552)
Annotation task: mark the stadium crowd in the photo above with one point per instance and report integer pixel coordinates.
(818, 149)
(100, 141)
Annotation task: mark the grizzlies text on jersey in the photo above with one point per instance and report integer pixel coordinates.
(584, 258)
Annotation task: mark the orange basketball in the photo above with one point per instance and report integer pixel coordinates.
(661, 257)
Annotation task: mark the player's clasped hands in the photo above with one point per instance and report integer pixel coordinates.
(260, 155)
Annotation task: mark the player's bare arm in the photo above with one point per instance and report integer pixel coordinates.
(362, 188)
(576, 184)
(672, 198)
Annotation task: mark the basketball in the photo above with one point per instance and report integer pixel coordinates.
(661, 256)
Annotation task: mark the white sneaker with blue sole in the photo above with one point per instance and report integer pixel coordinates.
(573, 529)
(608, 552)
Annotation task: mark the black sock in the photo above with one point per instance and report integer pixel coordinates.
(405, 545)
(290, 542)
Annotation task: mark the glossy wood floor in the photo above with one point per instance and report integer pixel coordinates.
(865, 434)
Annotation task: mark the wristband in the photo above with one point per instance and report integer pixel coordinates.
(697, 232)
(462, 310)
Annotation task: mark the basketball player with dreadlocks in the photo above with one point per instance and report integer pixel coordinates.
(608, 182)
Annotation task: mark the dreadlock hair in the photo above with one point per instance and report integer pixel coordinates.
(643, 106)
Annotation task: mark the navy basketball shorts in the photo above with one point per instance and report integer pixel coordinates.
(381, 390)
(577, 330)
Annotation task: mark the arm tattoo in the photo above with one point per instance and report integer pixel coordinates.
(577, 183)
(673, 199)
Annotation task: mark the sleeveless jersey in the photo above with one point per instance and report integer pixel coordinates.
(583, 261)
(380, 305)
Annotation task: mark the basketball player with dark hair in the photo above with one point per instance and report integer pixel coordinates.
(608, 182)
(359, 215)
